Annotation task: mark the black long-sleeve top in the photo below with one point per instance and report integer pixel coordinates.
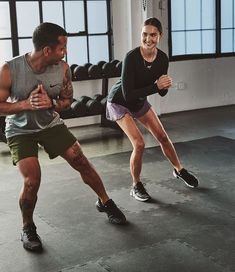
(137, 81)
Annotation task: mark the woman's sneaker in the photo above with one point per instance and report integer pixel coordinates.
(189, 179)
(114, 214)
(139, 192)
(30, 238)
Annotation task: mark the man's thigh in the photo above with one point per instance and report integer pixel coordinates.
(23, 146)
(56, 140)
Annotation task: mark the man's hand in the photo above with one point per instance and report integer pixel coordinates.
(164, 82)
(39, 99)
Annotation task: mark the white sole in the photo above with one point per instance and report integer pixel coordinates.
(190, 186)
(132, 193)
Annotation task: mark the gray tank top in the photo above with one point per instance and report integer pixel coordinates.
(24, 80)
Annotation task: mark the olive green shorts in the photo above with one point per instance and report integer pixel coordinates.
(55, 141)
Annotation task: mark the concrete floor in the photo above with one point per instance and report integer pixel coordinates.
(96, 141)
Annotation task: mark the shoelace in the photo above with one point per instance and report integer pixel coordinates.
(186, 173)
(113, 209)
(31, 234)
(111, 206)
(141, 188)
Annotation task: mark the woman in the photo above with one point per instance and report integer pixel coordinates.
(144, 73)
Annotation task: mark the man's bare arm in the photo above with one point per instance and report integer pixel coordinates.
(7, 108)
(66, 95)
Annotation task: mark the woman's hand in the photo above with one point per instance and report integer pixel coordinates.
(164, 82)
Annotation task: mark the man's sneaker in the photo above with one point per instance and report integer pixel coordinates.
(30, 238)
(190, 180)
(139, 192)
(114, 214)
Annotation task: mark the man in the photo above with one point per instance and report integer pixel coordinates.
(38, 85)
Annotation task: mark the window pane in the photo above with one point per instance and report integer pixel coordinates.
(98, 48)
(208, 14)
(227, 40)
(200, 25)
(177, 15)
(5, 50)
(208, 42)
(27, 17)
(227, 13)
(97, 16)
(193, 41)
(193, 14)
(5, 28)
(53, 12)
(74, 16)
(77, 50)
(25, 46)
(233, 40)
(178, 43)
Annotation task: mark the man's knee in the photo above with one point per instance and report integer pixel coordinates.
(81, 160)
(31, 185)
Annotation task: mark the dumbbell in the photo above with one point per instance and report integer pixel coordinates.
(79, 106)
(95, 71)
(101, 63)
(87, 65)
(109, 70)
(98, 97)
(68, 113)
(85, 105)
(118, 65)
(94, 107)
(102, 99)
(72, 67)
(115, 62)
(80, 73)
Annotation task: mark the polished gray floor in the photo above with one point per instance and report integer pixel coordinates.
(77, 238)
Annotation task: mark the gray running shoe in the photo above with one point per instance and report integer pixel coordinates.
(139, 192)
(30, 238)
(114, 214)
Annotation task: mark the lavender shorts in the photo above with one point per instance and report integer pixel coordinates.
(115, 111)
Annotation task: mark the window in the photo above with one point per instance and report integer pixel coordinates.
(5, 32)
(87, 22)
(201, 28)
(227, 26)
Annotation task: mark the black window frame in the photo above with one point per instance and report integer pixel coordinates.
(14, 29)
(217, 53)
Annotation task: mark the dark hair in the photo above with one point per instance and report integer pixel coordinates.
(46, 34)
(154, 22)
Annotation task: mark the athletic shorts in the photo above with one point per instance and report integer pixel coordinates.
(115, 111)
(55, 141)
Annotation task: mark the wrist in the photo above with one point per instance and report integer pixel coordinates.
(53, 104)
(156, 82)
